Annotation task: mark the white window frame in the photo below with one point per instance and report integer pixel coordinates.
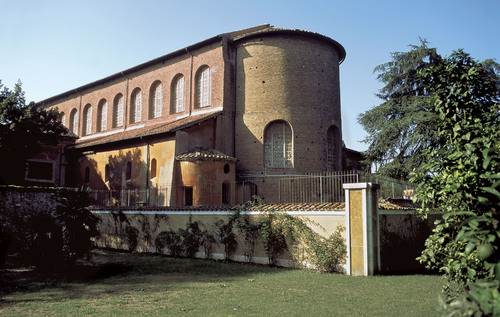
(158, 101)
(88, 119)
(137, 106)
(118, 111)
(73, 121)
(204, 87)
(103, 115)
(179, 95)
(278, 141)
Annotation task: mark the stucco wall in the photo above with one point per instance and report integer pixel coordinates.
(150, 223)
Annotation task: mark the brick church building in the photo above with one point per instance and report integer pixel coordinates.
(187, 127)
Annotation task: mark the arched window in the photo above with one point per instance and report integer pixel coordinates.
(203, 87)
(278, 145)
(177, 103)
(156, 100)
(87, 175)
(87, 120)
(136, 106)
(333, 139)
(128, 171)
(106, 173)
(118, 111)
(73, 121)
(62, 117)
(153, 168)
(102, 115)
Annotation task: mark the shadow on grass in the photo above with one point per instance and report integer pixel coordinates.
(112, 269)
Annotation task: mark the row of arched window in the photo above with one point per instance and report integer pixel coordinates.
(177, 104)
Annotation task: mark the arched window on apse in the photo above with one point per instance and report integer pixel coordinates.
(278, 145)
(333, 136)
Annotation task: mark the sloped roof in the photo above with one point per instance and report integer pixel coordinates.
(147, 130)
(204, 154)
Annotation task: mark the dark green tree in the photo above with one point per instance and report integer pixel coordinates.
(23, 127)
(400, 128)
(404, 125)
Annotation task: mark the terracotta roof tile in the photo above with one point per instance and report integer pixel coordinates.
(147, 130)
(204, 154)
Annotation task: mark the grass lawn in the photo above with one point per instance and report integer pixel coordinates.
(121, 284)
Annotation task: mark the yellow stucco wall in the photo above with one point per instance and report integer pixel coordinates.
(356, 232)
(324, 224)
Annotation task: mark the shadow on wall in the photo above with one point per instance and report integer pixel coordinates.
(121, 180)
(402, 240)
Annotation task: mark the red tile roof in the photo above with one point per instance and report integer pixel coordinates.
(147, 130)
(204, 154)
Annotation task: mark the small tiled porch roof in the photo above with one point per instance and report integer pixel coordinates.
(204, 154)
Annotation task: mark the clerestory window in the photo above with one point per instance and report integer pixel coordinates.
(203, 87)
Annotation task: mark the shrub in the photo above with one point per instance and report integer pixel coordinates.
(171, 240)
(226, 236)
(190, 238)
(328, 253)
(207, 241)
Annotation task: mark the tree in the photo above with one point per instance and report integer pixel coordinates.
(461, 178)
(403, 125)
(23, 127)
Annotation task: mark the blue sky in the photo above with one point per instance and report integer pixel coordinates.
(55, 46)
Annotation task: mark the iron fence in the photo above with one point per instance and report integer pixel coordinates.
(324, 187)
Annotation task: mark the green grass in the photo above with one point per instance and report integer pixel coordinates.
(121, 284)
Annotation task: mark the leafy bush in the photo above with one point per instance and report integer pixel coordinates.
(207, 241)
(190, 238)
(226, 236)
(328, 253)
(169, 239)
(132, 237)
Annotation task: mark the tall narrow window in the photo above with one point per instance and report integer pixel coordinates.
(333, 140)
(106, 173)
(188, 196)
(73, 121)
(278, 145)
(102, 115)
(136, 106)
(226, 194)
(62, 116)
(156, 100)
(87, 175)
(153, 168)
(87, 120)
(128, 171)
(178, 94)
(118, 111)
(203, 87)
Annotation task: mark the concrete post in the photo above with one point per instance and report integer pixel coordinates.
(361, 228)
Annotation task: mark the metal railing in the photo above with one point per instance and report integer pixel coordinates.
(274, 189)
